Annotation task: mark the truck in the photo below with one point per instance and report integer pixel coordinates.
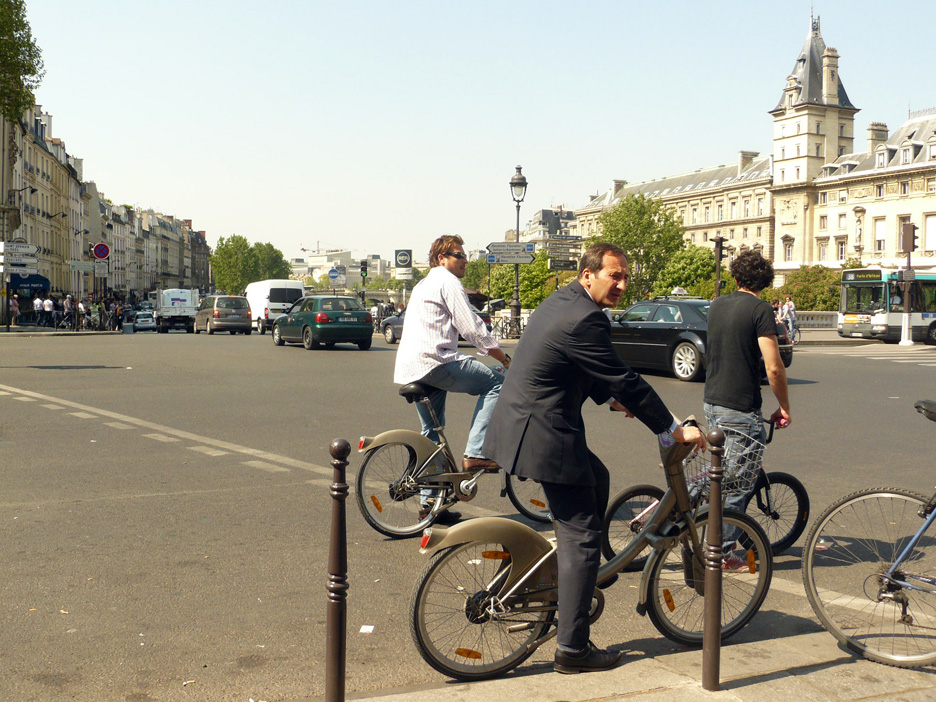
(175, 309)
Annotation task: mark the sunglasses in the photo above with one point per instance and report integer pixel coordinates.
(456, 254)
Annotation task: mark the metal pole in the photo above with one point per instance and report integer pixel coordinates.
(906, 338)
(336, 615)
(711, 615)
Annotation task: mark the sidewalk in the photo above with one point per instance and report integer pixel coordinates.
(28, 330)
(805, 668)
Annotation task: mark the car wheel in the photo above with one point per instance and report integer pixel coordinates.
(247, 331)
(195, 327)
(364, 345)
(931, 335)
(208, 327)
(277, 337)
(308, 340)
(261, 328)
(389, 334)
(687, 362)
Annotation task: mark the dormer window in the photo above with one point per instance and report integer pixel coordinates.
(881, 160)
(905, 155)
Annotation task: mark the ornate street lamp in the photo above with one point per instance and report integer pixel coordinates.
(518, 186)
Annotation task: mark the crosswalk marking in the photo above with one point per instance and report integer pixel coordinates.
(24, 399)
(54, 407)
(118, 425)
(208, 451)
(160, 437)
(269, 467)
(83, 415)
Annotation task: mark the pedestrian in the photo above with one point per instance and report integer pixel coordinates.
(69, 308)
(48, 310)
(742, 328)
(14, 309)
(564, 357)
(428, 353)
(788, 315)
(37, 309)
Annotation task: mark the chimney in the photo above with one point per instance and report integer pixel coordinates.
(830, 80)
(618, 184)
(877, 135)
(745, 159)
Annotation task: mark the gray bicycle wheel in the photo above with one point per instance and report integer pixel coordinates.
(387, 494)
(853, 543)
(529, 499)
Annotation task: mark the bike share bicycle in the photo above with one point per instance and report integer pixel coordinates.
(487, 599)
(869, 567)
(407, 480)
(780, 503)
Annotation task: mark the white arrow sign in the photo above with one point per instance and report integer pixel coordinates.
(16, 258)
(522, 258)
(14, 247)
(18, 269)
(497, 247)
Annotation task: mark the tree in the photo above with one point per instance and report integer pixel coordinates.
(476, 274)
(21, 65)
(814, 288)
(234, 264)
(650, 234)
(687, 269)
(271, 264)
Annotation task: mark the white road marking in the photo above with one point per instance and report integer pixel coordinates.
(83, 415)
(54, 407)
(269, 467)
(118, 425)
(24, 399)
(160, 437)
(208, 451)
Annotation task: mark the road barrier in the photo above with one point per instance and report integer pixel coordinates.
(711, 616)
(336, 613)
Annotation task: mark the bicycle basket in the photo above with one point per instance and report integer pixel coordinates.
(741, 462)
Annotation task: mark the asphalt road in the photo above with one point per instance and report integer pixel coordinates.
(165, 507)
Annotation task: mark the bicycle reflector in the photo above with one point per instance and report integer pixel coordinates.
(424, 541)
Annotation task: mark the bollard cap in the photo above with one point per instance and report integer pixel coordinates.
(340, 449)
(716, 437)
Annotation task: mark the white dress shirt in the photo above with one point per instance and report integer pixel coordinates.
(437, 312)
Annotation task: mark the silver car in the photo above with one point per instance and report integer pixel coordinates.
(230, 313)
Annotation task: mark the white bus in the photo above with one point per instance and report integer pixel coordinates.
(872, 305)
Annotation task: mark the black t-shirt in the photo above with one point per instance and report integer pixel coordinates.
(732, 372)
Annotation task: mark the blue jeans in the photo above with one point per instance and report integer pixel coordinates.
(468, 376)
(741, 454)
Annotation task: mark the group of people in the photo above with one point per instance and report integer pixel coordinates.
(528, 421)
(786, 313)
(50, 311)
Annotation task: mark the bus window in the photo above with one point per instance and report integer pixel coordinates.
(896, 299)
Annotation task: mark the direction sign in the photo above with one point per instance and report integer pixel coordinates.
(83, 266)
(497, 247)
(17, 258)
(557, 247)
(522, 258)
(12, 247)
(18, 269)
(557, 264)
(564, 237)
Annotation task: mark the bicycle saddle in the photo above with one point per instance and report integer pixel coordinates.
(415, 391)
(927, 408)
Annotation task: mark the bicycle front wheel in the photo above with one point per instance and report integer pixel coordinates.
(628, 513)
(781, 506)
(529, 499)
(388, 494)
(459, 626)
(676, 594)
(848, 551)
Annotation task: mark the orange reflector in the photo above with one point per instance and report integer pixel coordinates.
(668, 598)
(424, 541)
(360, 444)
(751, 562)
(538, 503)
(495, 555)
(373, 498)
(467, 653)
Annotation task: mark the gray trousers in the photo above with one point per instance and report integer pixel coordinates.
(578, 512)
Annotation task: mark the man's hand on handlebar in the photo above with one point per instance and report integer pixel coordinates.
(690, 435)
(780, 418)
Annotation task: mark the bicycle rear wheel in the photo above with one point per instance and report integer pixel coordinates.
(781, 506)
(850, 547)
(627, 514)
(453, 619)
(529, 499)
(675, 602)
(388, 495)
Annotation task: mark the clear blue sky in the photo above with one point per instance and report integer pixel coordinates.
(380, 125)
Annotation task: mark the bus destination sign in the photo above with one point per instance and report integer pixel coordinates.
(851, 276)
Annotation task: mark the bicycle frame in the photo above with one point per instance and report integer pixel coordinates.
(888, 576)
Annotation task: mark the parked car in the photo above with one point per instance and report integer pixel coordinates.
(144, 321)
(230, 313)
(670, 333)
(325, 319)
(392, 327)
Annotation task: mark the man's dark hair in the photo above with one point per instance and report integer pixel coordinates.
(752, 271)
(593, 258)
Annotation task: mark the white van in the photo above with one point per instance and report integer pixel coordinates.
(270, 298)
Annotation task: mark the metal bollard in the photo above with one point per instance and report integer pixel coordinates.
(336, 614)
(711, 617)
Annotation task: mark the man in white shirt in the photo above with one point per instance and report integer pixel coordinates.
(437, 312)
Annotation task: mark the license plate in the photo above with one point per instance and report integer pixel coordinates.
(856, 333)
(347, 319)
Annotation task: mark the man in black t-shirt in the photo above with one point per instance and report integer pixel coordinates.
(741, 329)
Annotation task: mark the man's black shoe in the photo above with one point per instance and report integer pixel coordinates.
(591, 660)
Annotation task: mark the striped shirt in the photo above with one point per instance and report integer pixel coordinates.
(437, 312)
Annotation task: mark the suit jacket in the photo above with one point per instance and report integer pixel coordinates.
(564, 356)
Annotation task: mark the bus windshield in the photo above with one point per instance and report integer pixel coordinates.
(866, 298)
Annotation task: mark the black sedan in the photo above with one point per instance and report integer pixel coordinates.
(670, 333)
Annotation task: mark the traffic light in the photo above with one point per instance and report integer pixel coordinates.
(364, 268)
(908, 237)
(719, 251)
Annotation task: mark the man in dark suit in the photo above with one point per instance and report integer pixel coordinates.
(536, 431)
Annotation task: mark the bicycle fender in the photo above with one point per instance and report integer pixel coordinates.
(525, 545)
(423, 446)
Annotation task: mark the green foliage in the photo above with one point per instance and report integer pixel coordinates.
(686, 269)
(395, 284)
(271, 264)
(234, 264)
(649, 233)
(813, 288)
(476, 273)
(851, 263)
(21, 66)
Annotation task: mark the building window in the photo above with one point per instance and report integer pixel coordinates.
(706, 214)
(797, 146)
(879, 190)
(881, 162)
(731, 233)
(823, 222)
(734, 209)
(819, 150)
(782, 175)
(760, 207)
(704, 236)
(905, 155)
(797, 131)
(843, 196)
(841, 130)
(905, 187)
(797, 173)
(747, 208)
(931, 185)
(841, 151)
(823, 198)
(720, 212)
(782, 153)
(840, 250)
(744, 233)
(932, 151)
(823, 249)
(758, 232)
(843, 221)
(693, 237)
(788, 252)
(929, 232)
(880, 234)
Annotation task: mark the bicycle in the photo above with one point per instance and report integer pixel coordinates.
(404, 472)
(869, 567)
(779, 502)
(487, 598)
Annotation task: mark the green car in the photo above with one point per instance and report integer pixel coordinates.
(325, 319)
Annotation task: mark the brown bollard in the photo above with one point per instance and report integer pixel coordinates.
(711, 617)
(336, 614)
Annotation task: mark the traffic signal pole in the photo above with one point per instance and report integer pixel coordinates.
(908, 242)
(719, 253)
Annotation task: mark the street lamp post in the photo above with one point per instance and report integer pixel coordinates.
(518, 186)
